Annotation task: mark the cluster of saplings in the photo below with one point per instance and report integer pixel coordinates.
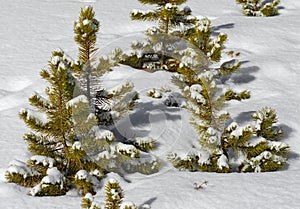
(71, 136)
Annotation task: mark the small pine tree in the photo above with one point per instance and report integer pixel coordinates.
(265, 152)
(160, 40)
(259, 8)
(108, 105)
(206, 102)
(53, 141)
(113, 198)
(252, 147)
(205, 48)
(64, 129)
(178, 31)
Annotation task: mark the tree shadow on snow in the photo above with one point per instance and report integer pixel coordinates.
(137, 123)
(148, 202)
(243, 76)
(224, 26)
(144, 110)
(244, 117)
(215, 29)
(286, 130)
(293, 155)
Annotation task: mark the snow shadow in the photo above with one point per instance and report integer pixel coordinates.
(243, 76)
(148, 202)
(141, 122)
(293, 155)
(142, 115)
(223, 26)
(244, 117)
(286, 130)
(215, 29)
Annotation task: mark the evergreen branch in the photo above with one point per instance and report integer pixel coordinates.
(40, 145)
(232, 95)
(34, 123)
(40, 102)
(144, 16)
(229, 67)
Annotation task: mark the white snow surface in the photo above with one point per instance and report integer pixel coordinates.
(269, 49)
(54, 176)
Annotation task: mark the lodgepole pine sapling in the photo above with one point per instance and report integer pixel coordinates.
(225, 147)
(158, 47)
(259, 8)
(108, 105)
(57, 154)
(114, 197)
(178, 31)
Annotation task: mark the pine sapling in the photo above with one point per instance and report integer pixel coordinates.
(259, 8)
(225, 147)
(113, 198)
(156, 51)
(53, 141)
(109, 105)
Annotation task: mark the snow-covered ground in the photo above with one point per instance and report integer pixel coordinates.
(269, 47)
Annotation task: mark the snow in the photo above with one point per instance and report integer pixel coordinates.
(169, 6)
(77, 146)
(40, 116)
(112, 181)
(222, 162)
(89, 196)
(196, 93)
(203, 157)
(277, 145)
(45, 161)
(154, 93)
(141, 12)
(82, 174)
(85, 22)
(76, 100)
(54, 176)
(55, 60)
(127, 148)
(102, 134)
(269, 49)
(22, 168)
